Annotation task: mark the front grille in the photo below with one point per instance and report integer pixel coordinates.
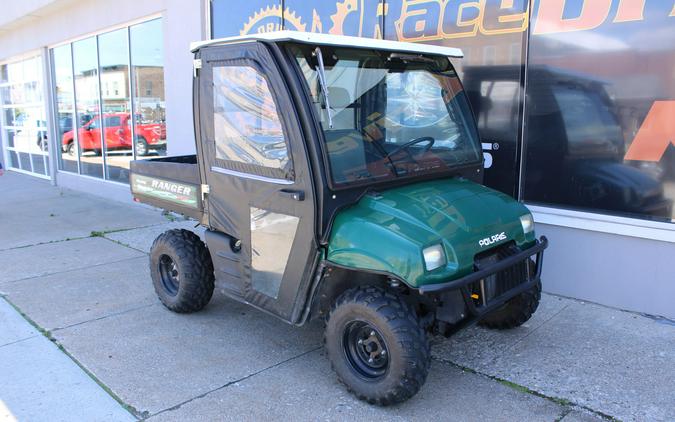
(493, 286)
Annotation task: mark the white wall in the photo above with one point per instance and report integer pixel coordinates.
(183, 24)
(625, 272)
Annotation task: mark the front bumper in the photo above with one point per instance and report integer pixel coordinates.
(462, 284)
(159, 142)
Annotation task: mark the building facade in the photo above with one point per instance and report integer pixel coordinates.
(574, 100)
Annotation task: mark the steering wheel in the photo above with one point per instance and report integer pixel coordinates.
(430, 142)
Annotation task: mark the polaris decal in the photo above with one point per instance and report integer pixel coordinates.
(178, 193)
(492, 239)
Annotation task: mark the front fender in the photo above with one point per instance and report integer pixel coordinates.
(364, 245)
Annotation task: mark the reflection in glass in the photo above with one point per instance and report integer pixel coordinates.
(147, 64)
(246, 123)
(272, 236)
(576, 147)
(23, 116)
(590, 95)
(415, 115)
(85, 64)
(117, 133)
(492, 36)
(65, 107)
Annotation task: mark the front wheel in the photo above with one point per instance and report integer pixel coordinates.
(181, 271)
(70, 149)
(377, 345)
(516, 311)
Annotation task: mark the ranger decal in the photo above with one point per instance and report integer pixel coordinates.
(178, 193)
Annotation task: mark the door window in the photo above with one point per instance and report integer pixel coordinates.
(247, 127)
(112, 121)
(272, 236)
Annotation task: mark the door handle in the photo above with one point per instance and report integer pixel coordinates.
(296, 195)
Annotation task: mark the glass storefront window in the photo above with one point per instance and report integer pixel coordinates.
(23, 118)
(116, 105)
(598, 114)
(65, 108)
(102, 124)
(147, 64)
(85, 66)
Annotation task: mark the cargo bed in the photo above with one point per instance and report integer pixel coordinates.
(171, 183)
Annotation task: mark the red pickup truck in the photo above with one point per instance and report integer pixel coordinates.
(117, 132)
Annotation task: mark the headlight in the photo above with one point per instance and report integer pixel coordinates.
(527, 222)
(434, 257)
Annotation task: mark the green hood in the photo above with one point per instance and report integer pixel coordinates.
(387, 231)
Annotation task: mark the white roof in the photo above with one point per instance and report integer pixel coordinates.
(335, 40)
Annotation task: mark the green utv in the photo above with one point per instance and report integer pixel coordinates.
(340, 178)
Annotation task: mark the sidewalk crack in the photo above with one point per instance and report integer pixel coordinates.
(71, 270)
(539, 326)
(148, 305)
(48, 335)
(19, 341)
(244, 378)
(523, 389)
(93, 233)
(566, 411)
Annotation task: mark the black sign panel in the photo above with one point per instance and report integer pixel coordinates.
(600, 107)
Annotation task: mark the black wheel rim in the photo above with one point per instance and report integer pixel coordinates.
(365, 350)
(168, 273)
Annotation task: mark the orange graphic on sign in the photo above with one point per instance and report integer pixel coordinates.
(630, 10)
(655, 134)
(550, 18)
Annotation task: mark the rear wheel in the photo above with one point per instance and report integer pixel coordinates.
(182, 271)
(141, 146)
(516, 311)
(377, 346)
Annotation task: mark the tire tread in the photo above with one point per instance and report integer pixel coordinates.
(516, 312)
(197, 282)
(410, 333)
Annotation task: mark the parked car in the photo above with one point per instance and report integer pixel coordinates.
(42, 142)
(117, 134)
(66, 121)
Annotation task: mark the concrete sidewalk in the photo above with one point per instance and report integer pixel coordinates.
(76, 266)
(40, 382)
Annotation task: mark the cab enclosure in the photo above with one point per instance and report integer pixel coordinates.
(340, 177)
(324, 163)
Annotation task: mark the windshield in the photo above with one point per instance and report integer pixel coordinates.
(392, 115)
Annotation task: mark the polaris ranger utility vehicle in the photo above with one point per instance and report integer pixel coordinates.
(340, 178)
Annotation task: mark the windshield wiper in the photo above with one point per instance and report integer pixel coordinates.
(324, 85)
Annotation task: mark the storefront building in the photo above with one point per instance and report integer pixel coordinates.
(575, 102)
